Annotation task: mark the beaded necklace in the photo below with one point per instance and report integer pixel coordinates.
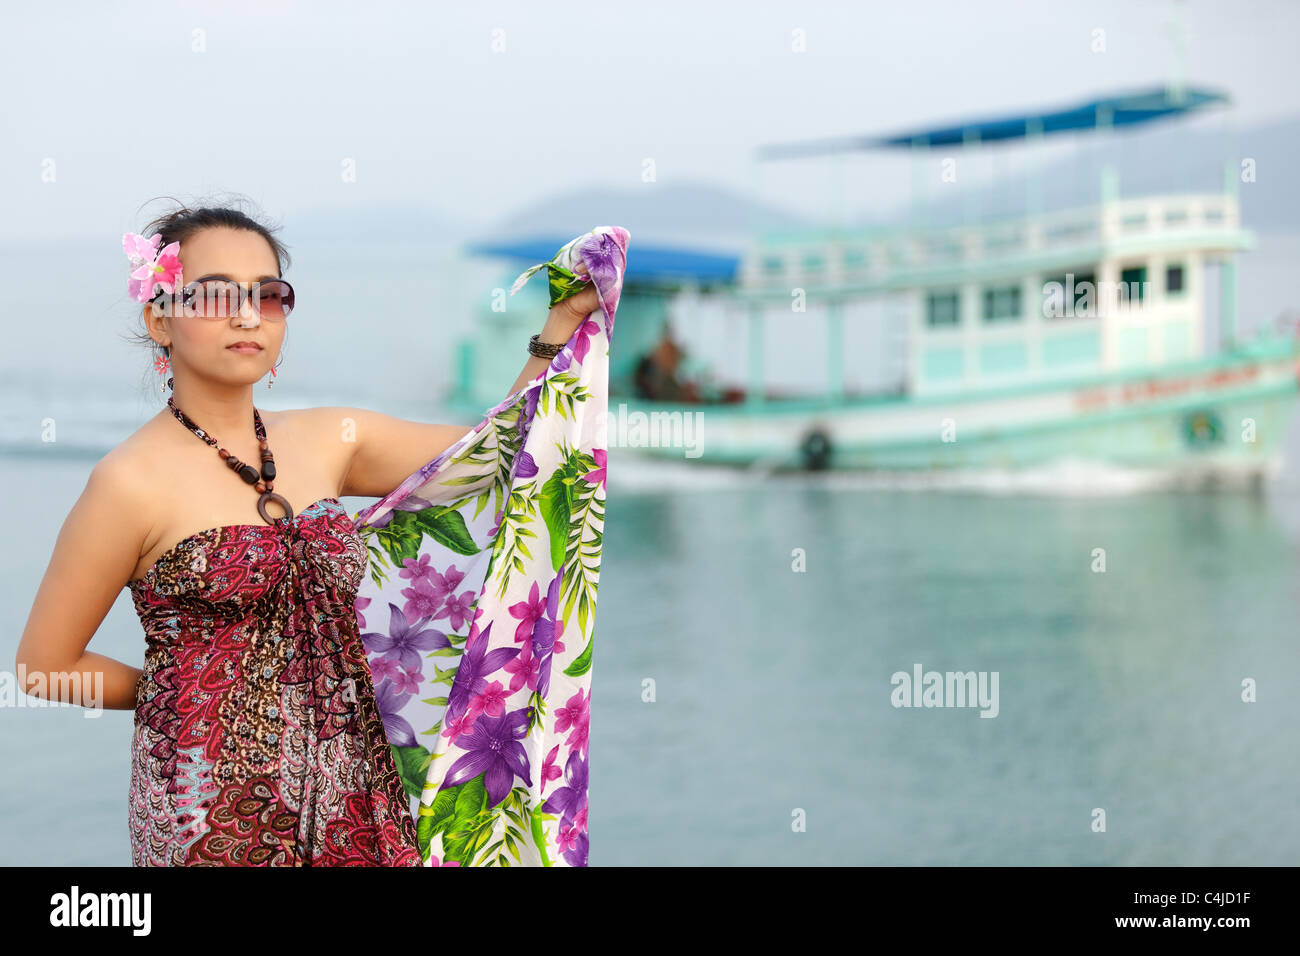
(262, 481)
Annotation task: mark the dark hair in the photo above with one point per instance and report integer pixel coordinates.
(183, 222)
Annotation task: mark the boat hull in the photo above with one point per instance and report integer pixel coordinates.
(1222, 415)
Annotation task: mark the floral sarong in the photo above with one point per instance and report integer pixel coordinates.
(478, 614)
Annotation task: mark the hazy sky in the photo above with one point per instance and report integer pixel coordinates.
(119, 102)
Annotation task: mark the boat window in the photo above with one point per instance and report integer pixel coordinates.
(1174, 279)
(1132, 284)
(854, 258)
(1002, 303)
(942, 309)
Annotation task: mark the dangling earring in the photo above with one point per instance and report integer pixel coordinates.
(161, 366)
(271, 380)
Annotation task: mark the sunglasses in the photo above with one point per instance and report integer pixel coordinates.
(215, 297)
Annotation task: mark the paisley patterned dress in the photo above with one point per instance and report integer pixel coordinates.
(257, 737)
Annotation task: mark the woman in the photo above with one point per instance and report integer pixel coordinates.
(258, 740)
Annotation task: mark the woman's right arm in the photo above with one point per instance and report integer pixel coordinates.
(96, 551)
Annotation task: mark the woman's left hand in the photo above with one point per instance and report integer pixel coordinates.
(561, 322)
(565, 317)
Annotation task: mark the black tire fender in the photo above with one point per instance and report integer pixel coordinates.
(816, 449)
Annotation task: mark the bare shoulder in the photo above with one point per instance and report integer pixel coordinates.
(317, 417)
(327, 433)
(121, 478)
(322, 425)
(115, 513)
(131, 457)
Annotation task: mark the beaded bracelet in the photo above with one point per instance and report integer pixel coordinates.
(544, 349)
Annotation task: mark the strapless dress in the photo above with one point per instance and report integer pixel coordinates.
(257, 738)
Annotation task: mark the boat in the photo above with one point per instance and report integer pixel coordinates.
(1077, 334)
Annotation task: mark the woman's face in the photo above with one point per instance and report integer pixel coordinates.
(201, 346)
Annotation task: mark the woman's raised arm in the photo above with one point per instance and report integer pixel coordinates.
(387, 450)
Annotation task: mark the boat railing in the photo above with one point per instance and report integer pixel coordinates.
(838, 257)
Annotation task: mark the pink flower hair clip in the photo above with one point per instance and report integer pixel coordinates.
(152, 268)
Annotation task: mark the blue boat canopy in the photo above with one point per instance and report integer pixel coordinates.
(652, 265)
(1125, 109)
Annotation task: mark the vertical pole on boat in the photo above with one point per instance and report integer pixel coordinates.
(1228, 273)
(835, 348)
(463, 389)
(754, 393)
(753, 303)
(920, 185)
(1107, 271)
(970, 139)
(1228, 306)
(834, 325)
(1109, 186)
(920, 157)
(1033, 179)
(838, 215)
